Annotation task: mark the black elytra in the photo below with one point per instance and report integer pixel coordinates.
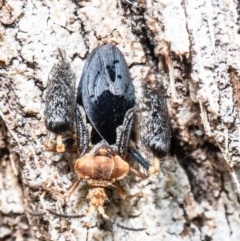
(106, 92)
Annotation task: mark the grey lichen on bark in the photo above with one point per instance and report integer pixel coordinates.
(192, 47)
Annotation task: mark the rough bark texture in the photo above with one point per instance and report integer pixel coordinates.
(193, 47)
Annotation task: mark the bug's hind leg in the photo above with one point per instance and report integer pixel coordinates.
(121, 193)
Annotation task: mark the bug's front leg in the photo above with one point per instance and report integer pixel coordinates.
(123, 133)
(122, 143)
(136, 156)
(60, 105)
(82, 141)
(156, 124)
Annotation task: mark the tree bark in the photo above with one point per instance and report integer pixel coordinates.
(193, 48)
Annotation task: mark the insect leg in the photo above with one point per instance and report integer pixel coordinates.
(72, 188)
(50, 142)
(137, 173)
(60, 143)
(121, 193)
(123, 133)
(60, 104)
(138, 158)
(156, 126)
(59, 99)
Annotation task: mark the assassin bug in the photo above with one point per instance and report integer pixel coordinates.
(104, 114)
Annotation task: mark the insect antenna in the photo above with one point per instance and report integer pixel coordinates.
(129, 228)
(34, 213)
(62, 215)
(126, 227)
